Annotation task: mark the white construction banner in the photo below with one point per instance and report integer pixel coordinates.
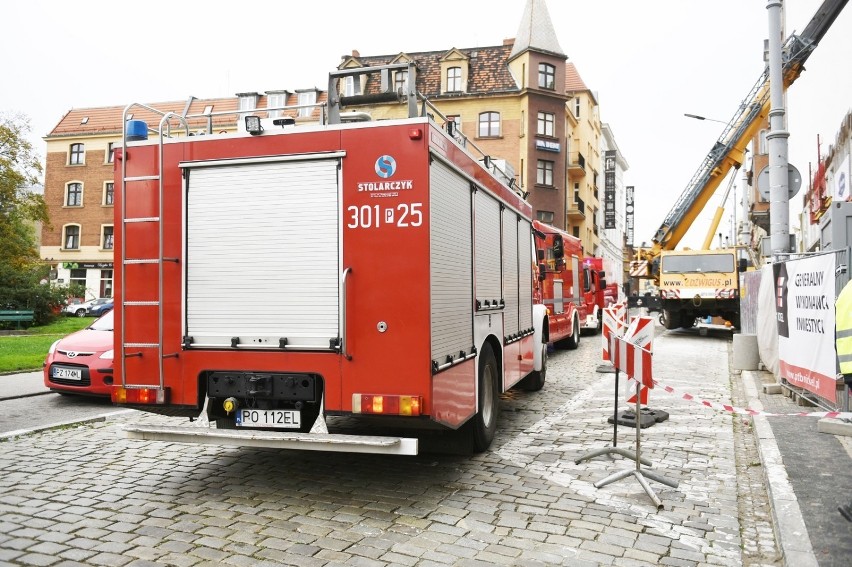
(804, 310)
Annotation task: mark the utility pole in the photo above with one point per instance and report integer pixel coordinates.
(779, 200)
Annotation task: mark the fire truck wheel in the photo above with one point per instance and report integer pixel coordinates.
(574, 340)
(485, 421)
(534, 381)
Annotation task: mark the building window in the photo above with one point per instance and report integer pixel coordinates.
(110, 152)
(307, 98)
(576, 107)
(761, 145)
(545, 216)
(546, 76)
(109, 193)
(74, 195)
(400, 81)
(248, 102)
(454, 78)
(576, 192)
(77, 155)
(107, 238)
(349, 86)
(546, 122)
(489, 124)
(106, 283)
(544, 173)
(275, 100)
(71, 238)
(78, 277)
(576, 231)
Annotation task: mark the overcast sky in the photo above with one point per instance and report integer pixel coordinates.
(649, 62)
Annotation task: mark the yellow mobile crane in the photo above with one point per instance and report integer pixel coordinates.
(698, 283)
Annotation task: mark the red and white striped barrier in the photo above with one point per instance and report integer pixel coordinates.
(613, 323)
(633, 357)
(748, 411)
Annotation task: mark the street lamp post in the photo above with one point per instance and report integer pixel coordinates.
(697, 117)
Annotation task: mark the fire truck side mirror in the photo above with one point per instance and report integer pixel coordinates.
(540, 255)
(542, 272)
(560, 264)
(742, 264)
(602, 283)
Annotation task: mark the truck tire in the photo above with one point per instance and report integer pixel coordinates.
(670, 319)
(485, 420)
(534, 381)
(573, 341)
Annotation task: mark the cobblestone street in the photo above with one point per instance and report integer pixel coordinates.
(85, 495)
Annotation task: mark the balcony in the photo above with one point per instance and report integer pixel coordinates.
(577, 210)
(576, 164)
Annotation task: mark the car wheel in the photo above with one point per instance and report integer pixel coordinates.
(80, 313)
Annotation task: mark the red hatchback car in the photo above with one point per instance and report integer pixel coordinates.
(81, 363)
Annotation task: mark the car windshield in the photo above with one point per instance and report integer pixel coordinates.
(103, 324)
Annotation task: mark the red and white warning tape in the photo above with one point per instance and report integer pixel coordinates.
(748, 411)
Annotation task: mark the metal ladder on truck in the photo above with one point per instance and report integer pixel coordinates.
(129, 182)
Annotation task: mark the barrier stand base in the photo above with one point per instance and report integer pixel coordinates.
(640, 476)
(612, 450)
(638, 472)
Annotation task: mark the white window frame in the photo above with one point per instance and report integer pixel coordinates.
(486, 119)
(546, 124)
(454, 80)
(65, 236)
(77, 157)
(68, 185)
(104, 228)
(544, 169)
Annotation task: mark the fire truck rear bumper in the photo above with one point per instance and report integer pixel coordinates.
(274, 439)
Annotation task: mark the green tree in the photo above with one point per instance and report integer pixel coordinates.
(23, 276)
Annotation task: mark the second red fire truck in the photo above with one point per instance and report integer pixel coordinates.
(573, 288)
(277, 276)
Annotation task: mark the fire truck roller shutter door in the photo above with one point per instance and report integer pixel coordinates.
(451, 250)
(511, 274)
(487, 250)
(259, 249)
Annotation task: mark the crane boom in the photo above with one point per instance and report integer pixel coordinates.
(729, 149)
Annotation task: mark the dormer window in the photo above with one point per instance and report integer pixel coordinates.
(454, 79)
(546, 76)
(400, 81)
(275, 100)
(306, 99)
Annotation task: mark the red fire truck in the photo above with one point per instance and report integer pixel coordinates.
(599, 293)
(571, 287)
(274, 277)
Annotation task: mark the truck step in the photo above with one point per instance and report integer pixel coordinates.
(333, 442)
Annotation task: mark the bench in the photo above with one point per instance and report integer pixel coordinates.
(17, 316)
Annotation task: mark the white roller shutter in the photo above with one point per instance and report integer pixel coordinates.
(525, 263)
(450, 269)
(487, 250)
(262, 254)
(510, 272)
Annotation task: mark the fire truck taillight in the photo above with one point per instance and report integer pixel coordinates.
(385, 405)
(121, 395)
(415, 133)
